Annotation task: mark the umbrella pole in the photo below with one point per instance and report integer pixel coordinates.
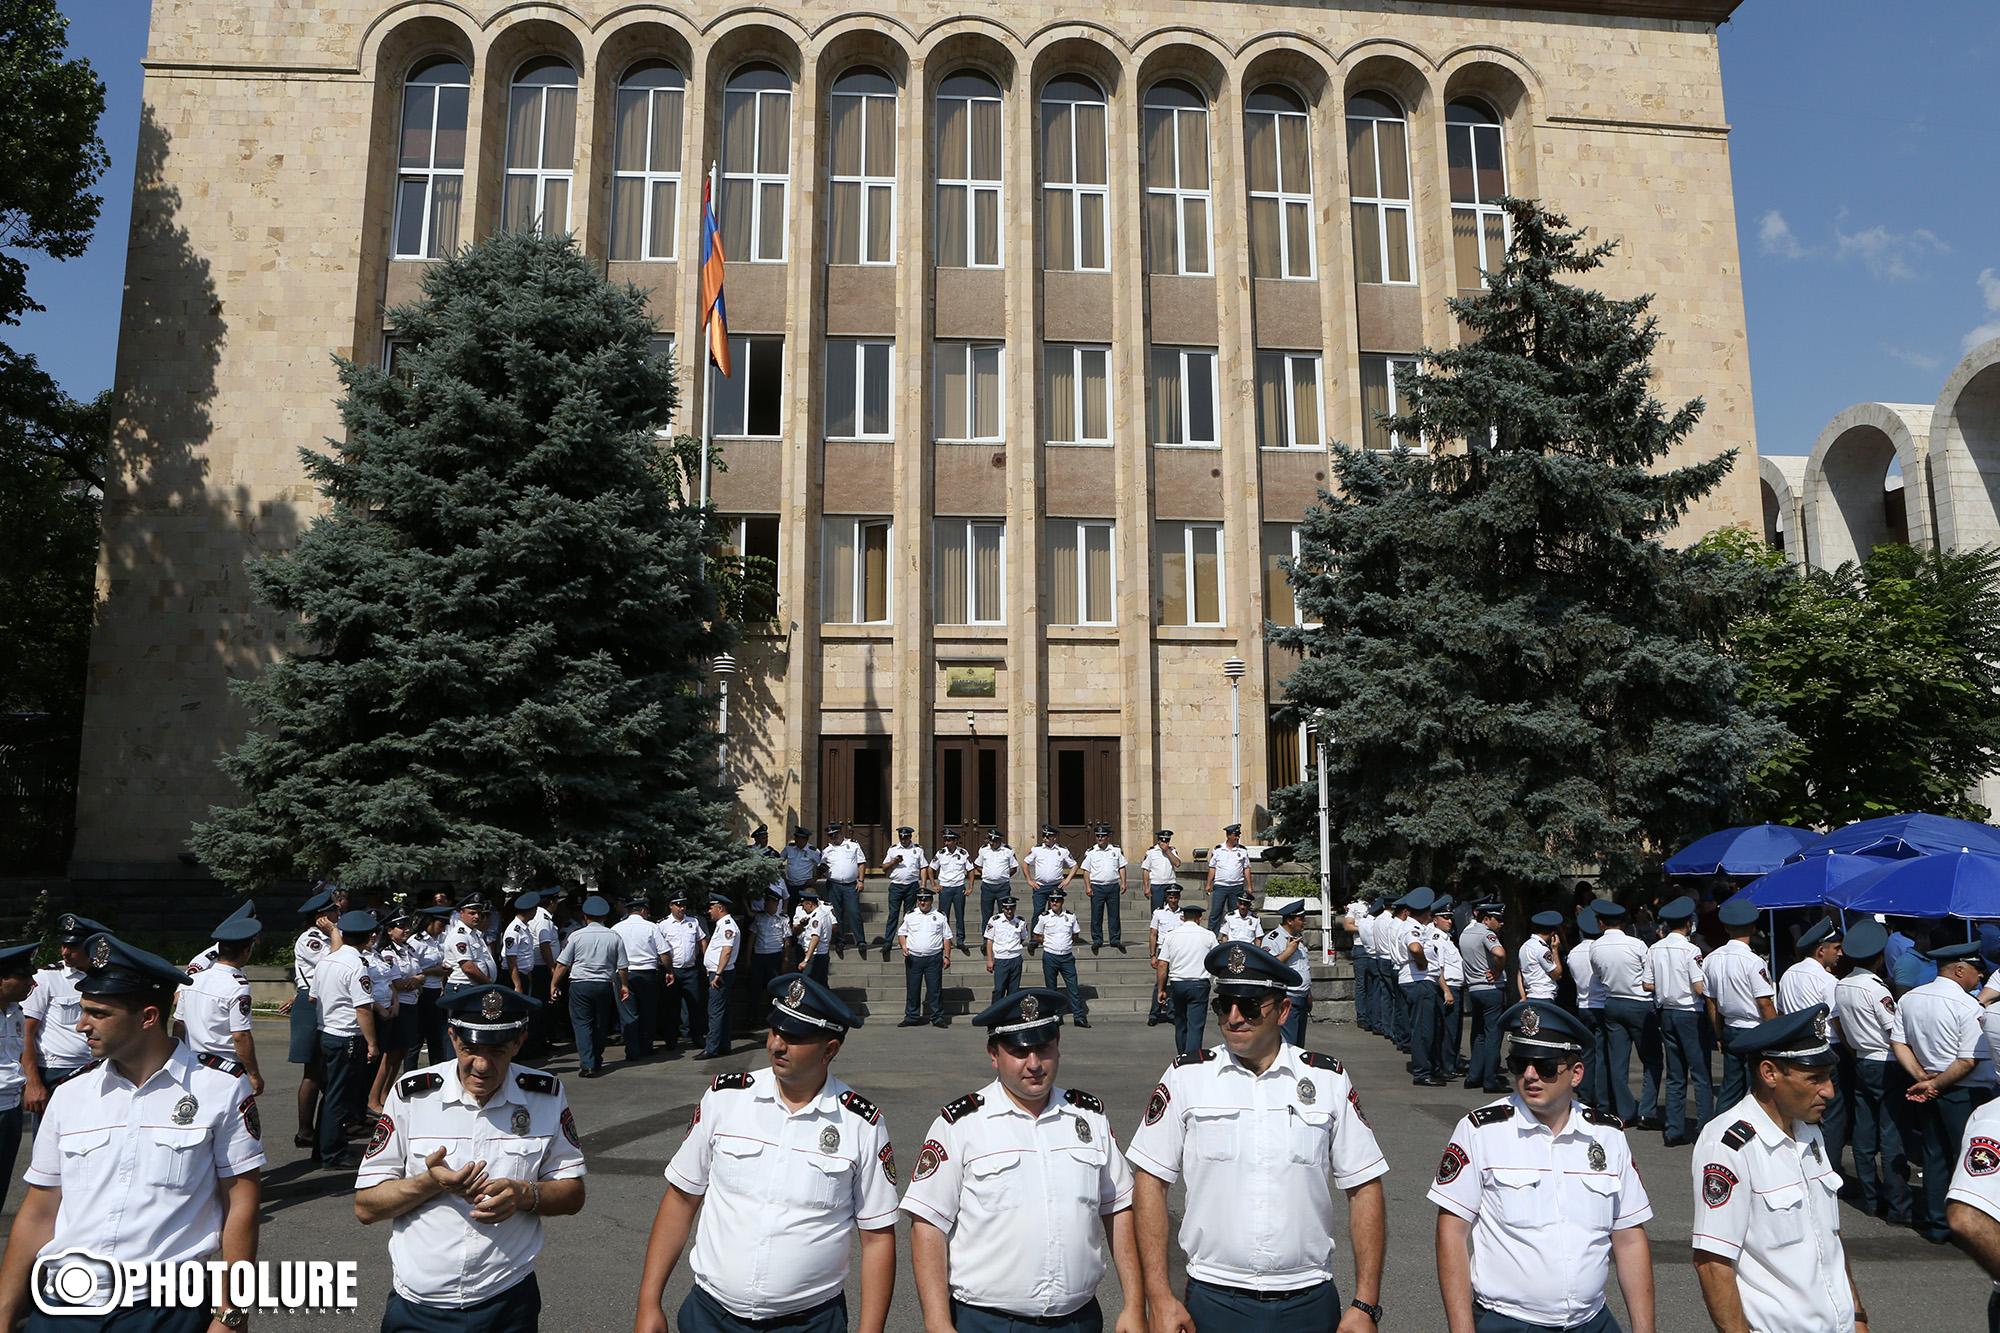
(1771, 941)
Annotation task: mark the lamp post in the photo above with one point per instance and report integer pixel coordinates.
(1233, 671)
(1325, 847)
(725, 667)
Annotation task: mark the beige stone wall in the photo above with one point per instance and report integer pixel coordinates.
(260, 241)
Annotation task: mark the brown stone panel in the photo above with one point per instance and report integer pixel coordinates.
(1387, 318)
(750, 486)
(755, 294)
(971, 303)
(1187, 484)
(1076, 307)
(1288, 314)
(1291, 482)
(661, 283)
(860, 301)
(859, 479)
(1079, 481)
(969, 480)
(1182, 311)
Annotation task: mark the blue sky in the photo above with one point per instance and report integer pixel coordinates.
(1867, 201)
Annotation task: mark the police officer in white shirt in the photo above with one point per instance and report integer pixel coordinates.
(1022, 1177)
(1973, 1210)
(718, 965)
(840, 861)
(1673, 965)
(813, 927)
(681, 937)
(1451, 981)
(1867, 1017)
(1048, 866)
(1181, 972)
(1537, 1198)
(1257, 1118)
(348, 1041)
(1228, 873)
(1940, 1043)
(1811, 981)
(1539, 960)
(924, 936)
(801, 861)
(769, 934)
(1740, 993)
(1239, 923)
(1006, 939)
(997, 866)
(1103, 864)
(1417, 968)
(1162, 865)
(518, 945)
(466, 948)
(642, 977)
(1287, 944)
(303, 1011)
(950, 869)
(467, 1159)
(152, 1155)
(213, 1009)
(1485, 960)
(1618, 963)
(17, 981)
(1767, 1213)
(201, 962)
(779, 1169)
(1165, 917)
(1589, 1004)
(56, 1051)
(427, 947)
(909, 870)
(1056, 930)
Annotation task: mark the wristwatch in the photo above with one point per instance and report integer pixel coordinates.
(236, 1318)
(1374, 1312)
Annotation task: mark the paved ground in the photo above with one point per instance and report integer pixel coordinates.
(634, 1119)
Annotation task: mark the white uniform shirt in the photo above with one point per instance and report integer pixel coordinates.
(1673, 965)
(1542, 1208)
(525, 1131)
(923, 933)
(1583, 973)
(1104, 865)
(642, 946)
(1976, 1180)
(1229, 864)
(1366, 932)
(1769, 1202)
(463, 944)
(426, 952)
(905, 864)
(1618, 963)
(1805, 984)
(1451, 964)
(56, 1005)
(547, 933)
(953, 866)
(202, 961)
(1257, 1151)
(340, 985)
(138, 1167)
(13, 1041)
(1022, 1197)
(213, 1006)
(815, 929)
(1737, 979)
(1159, 867)
(1867, 1014)
(1185, 949)
(1046, 865)
(307, 950)
(1940, 1022)
(782, 1191)
(842, 860)
(380, 972)
(1408, 969)
(767, 931)
(1536, 963)
(1058, 931)
(519, 946)
(1300, 962)
(1237, 926)
(996, 863)
(1164, 920)
(680, 940)
(726, 937)
(1009, 936)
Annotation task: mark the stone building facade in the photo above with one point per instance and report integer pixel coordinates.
(1045, 314)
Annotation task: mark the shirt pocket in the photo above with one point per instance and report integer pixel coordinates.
(738, 1166)
(1518, 1196)
(517, 1159)
(1078, 1171)
(1597, 1200)
(1216, 1131)
(174, 1155)
(1783, 1213)
(829, 1180)
(1826, 1208)
(1309, 1133)
(86, 1156)
(994, 1181)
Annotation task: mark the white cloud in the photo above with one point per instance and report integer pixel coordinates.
(1774, 235)
(1989, 290)
(1887, 254)
(1919, 360)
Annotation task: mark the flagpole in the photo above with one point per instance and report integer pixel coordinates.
(708, 378)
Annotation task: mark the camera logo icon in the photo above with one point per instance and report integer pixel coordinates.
(77, 1282)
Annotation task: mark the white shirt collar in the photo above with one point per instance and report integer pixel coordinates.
(1285, 1063)
(764, 1087)
(1526, 1122)
(179, 1067)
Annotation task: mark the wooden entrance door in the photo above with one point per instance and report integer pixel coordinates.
(1083, 790)
(970, 786)
(854, 788)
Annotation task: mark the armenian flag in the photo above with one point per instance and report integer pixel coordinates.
(714, 318)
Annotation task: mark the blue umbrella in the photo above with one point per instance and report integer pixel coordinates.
(1961, 884)
(1755, 849)
(1811, 882)
(1907, 835)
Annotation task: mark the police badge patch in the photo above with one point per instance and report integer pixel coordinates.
(1717, 1183)
(251, 1120)
(1596, 1157)
(1156, 1105)
(379, 1140)
(1354, 1100)
(1453, 1162)
(1982, 1157)
(569, 1128)
(521, 1121)
(1308, 1094)
(887, 1157)
(829, 1139)
(243, 1005)
(184, 1110)
(929, 1159)
(1082, 1130)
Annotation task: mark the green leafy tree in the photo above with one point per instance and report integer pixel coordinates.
(1519, 677)
(506, 608)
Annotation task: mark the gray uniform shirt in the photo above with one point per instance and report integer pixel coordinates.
(594, 953)
(1475, 946)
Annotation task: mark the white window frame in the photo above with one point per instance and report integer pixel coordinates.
(973, 187)
(1181, 194)
(1214, 391)
(1076, 352)
(965, 348)
(865, 184)
(1383, 204)
(1480, 209)
(1076, 191)
(757, 177)
(1081, 526)
(649, 177)
(738, 383)
(429, 175)
(967, 525)
(1187, 530)
(859, 346)
(1291, 425)
(857, 590)
(1284, 196)
(738, 538)
(1295, 531)
(1407, 365)
(542, 176)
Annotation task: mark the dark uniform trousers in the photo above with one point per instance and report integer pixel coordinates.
(1836, 1123)
(1453, 1036)
(1241, 1311)
(1189, 1002)
(1941, 1126)
(901, 898)
(951, 902)
(137, 1319)
(1595, 1087)
(1086, 1318)
(430, 1029)
(685, 1013)
(763, 967)
(1687, 1060)
(1062, 967)
(1040, 899)
(1877, 1139)
(1104, 901)
(1006, 976)
(10, 1146)
(923, 972)
(1222, 900)
(1624, 1030)
(343, 1091)
(1399, 1010)
(845, 899)
(1735, 1072)
(515, 1310)
(991, 891)
(1485, 1004)
(1294, 1030)
(817, 968)
(639, 1033)
(1364, 988)
(592, 1006)
(717, 1041)
(1426, 1005)
(1492, 1321)
(702, 1313)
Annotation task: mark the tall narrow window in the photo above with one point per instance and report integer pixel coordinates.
(541, 147)
(854, 570)
(861, 217)
(1288, 400)
(1378, 178)
(430, 169)
(662, 345)
(1382, 378)
(969, 391)
(970, 571)
(1189, 573)
(1075, 179)
(857, 388)
(756, 163)
(1281, 544)
(968, 171)
(750, 543)
(1281, 202)
(1083, 572)
(1478, 165)
(1177, 191)
(1076, 392)
(646, 162)
(750, 401)
(1182, 406)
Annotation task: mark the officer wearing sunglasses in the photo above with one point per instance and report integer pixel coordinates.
(1537, 1197)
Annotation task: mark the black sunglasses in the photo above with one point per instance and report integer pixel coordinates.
(1546, 1067)
(1251, 1006)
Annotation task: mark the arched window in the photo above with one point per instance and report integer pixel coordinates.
(1178, 203)
(1281, 187)
(1075, 181)
(1378, 182)
(968, 171)
(430, 166)
(756, 163)
(646, 162)
(861, 224)
(1478, 165)
(541, 147)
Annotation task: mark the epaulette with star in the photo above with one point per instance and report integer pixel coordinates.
(1078, 1097)
(530, 1081)
(1497, 1114)
(953, 1112)
(1318, 1061)
(1739, 1134)
(1201, 1056)
(861, 1106)
(729, 1082)
(416, 1085)
(213, 1061)
(1597, 1117)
